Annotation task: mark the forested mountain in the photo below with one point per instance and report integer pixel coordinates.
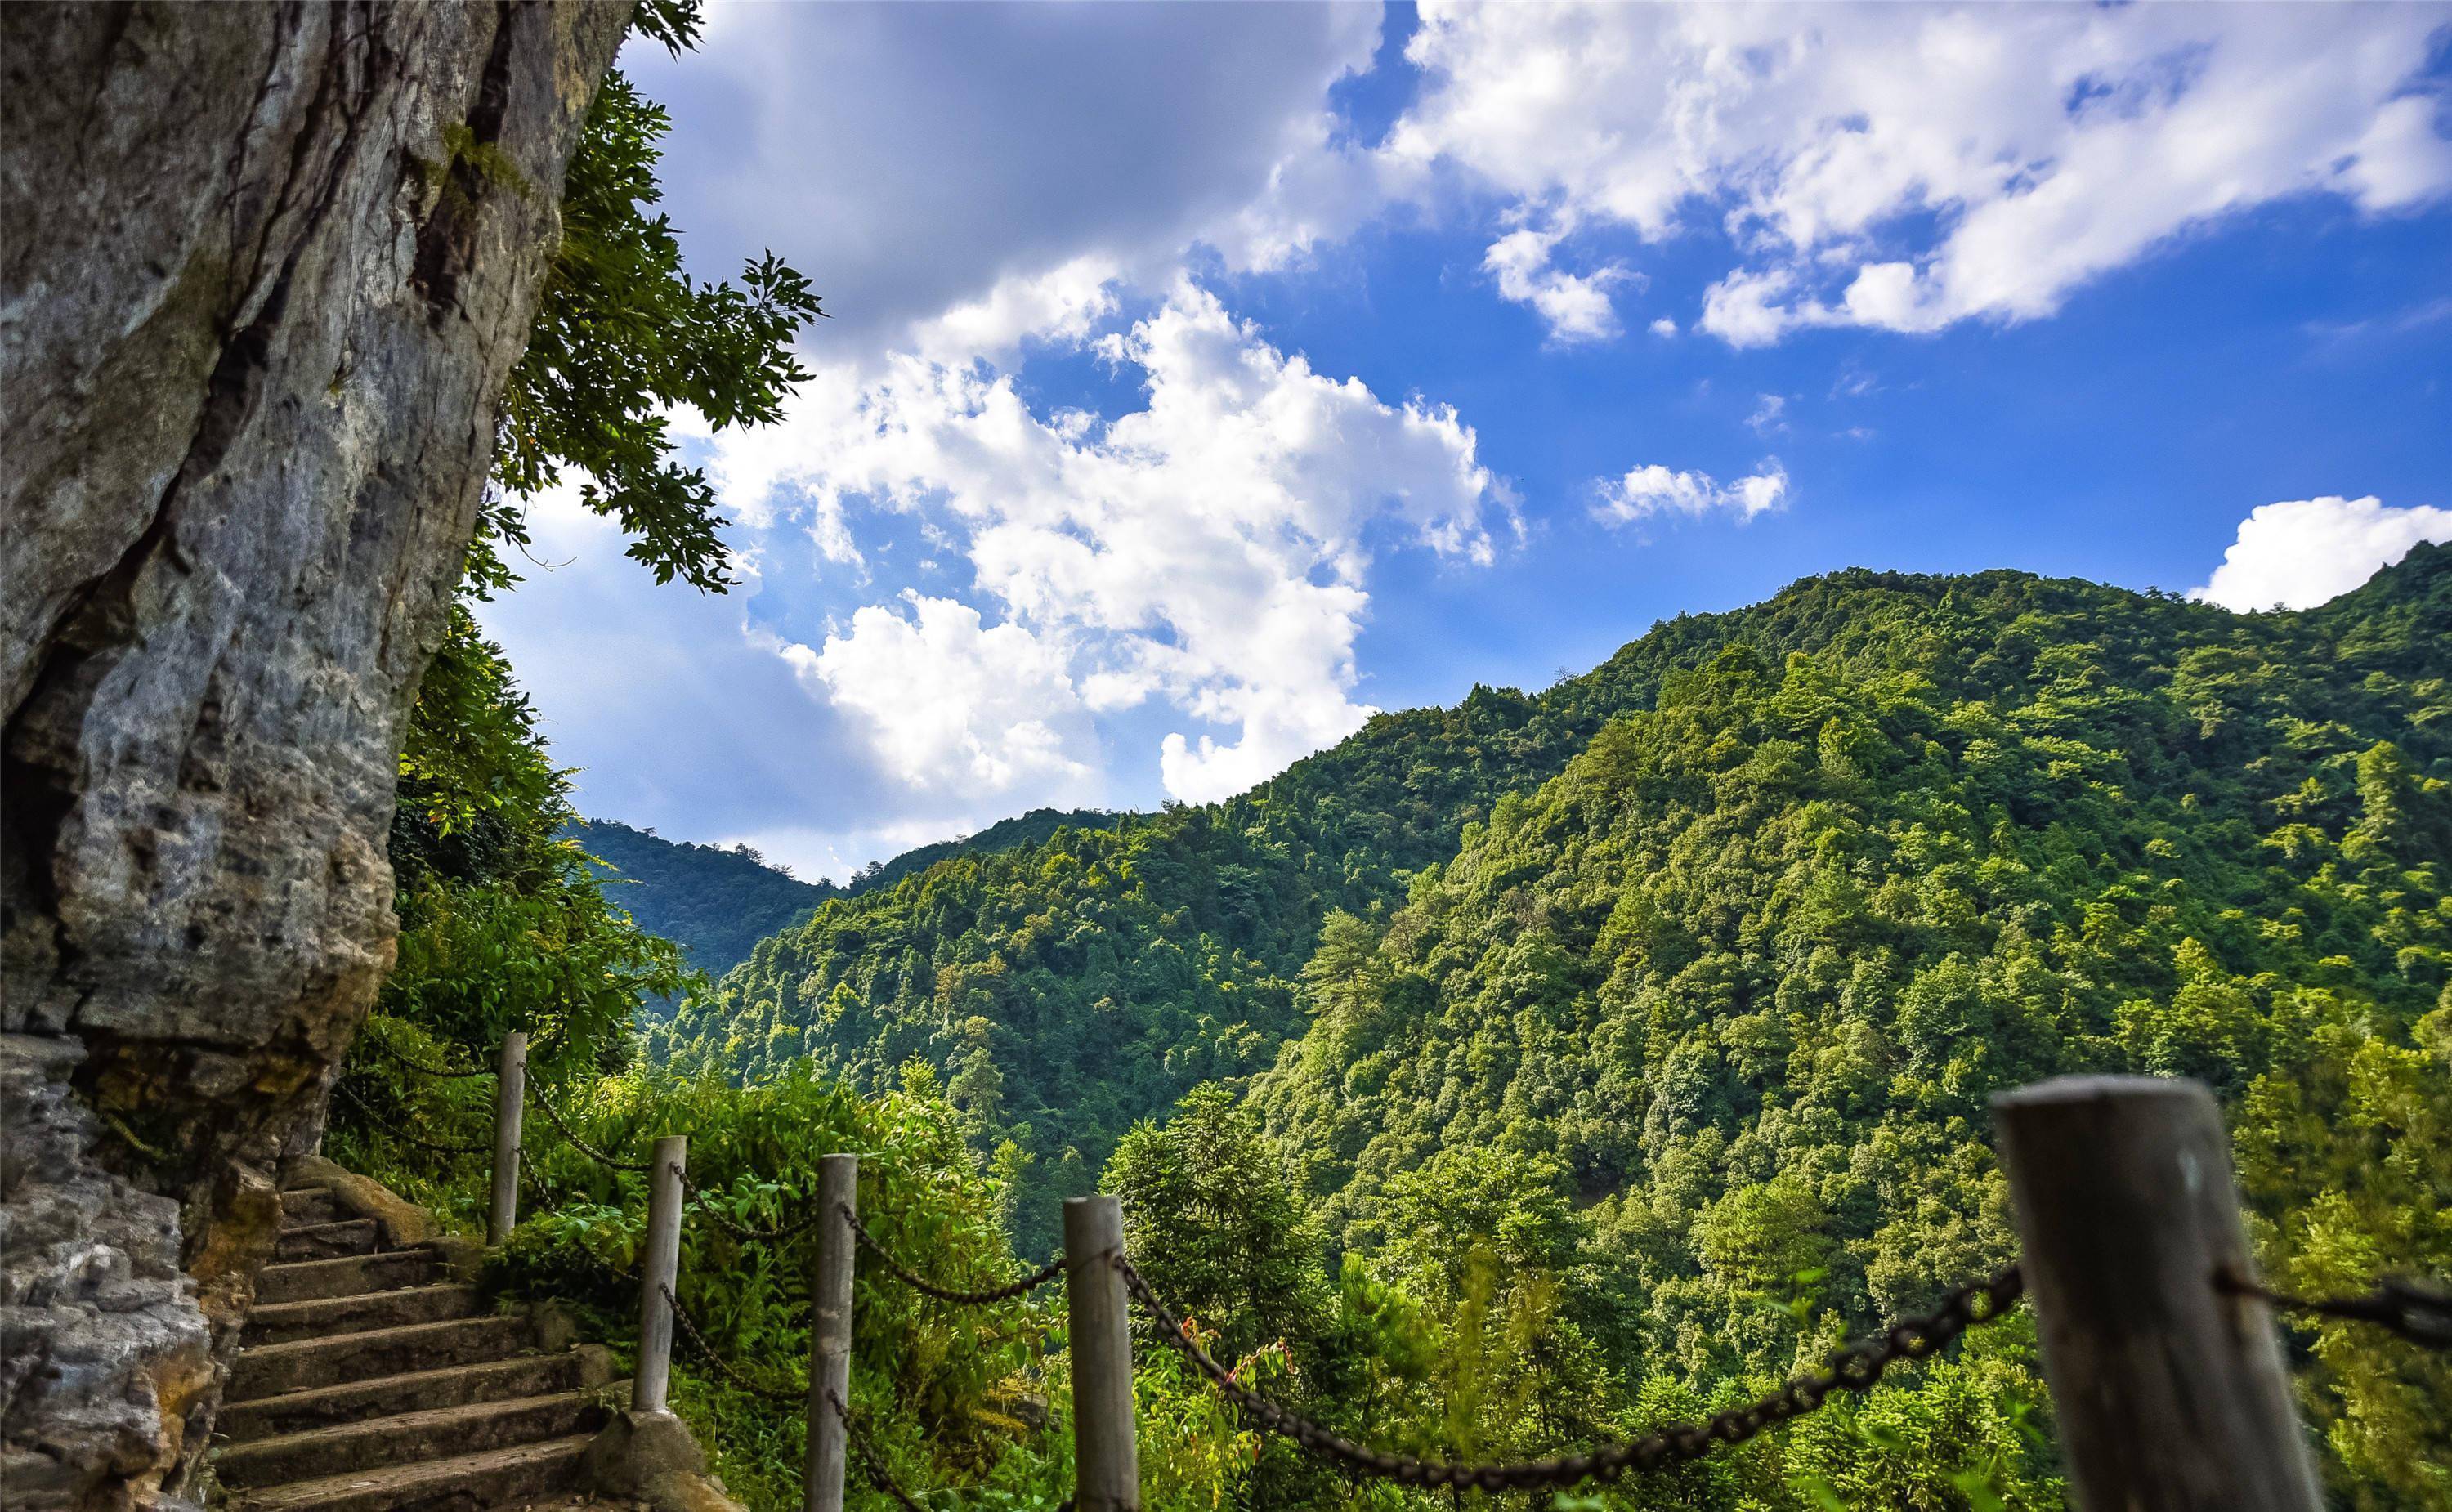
(2109, 748)
(1582, 1061)
(714, 901)
(717, 901)
(1727, 997)
(1071, 986)
(1023, 829)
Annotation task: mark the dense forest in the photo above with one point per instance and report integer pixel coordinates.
(1674, 994)
(716, 902)
(713, 901)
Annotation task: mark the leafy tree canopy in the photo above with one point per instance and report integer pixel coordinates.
(625, 335)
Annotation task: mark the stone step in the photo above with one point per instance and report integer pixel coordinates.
(301, 1206)
(355, 1236)
(493, 1478)
(526, 1375)
(270, 1370)
(437, 1433)
(324, 1317)
(346, 1276)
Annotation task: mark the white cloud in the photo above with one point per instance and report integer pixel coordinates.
(1902, 168)
(2305, 552)
(962, 185)
(1206, 549)
(1770, 415)
(985, 713)
(1060, 304)
(1652, 490)
(1576, 308)
(648, 690)
(1910, 166)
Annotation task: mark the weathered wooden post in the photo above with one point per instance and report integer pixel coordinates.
(660, 1272)
(830, 1333)
(2169, 1390)
(511, 1094)
(1106, 1458)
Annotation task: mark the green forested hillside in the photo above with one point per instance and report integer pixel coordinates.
(1736, 984)
(713, 901)
(1073, 985)
(1070, 987)
(1023, 828)
(1675, 991)
(716, 902)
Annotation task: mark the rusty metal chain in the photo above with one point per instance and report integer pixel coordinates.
(722, 1366)
(391, 1129)
(732, 1226)
(2417, 1311)
(547, 1197)
(929, 1289)
(1856, 1367)
(872, 1463)
(553, 1116)
(412, 1063)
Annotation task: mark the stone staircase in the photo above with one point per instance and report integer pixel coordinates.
(370, 1380)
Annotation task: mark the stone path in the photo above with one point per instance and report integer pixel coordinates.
(369, 1381)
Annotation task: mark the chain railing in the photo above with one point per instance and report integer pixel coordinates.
(553, 1116)
(922, 1284)
(704, 1206)
(872, 1463)
(390, 1129)
(2094, 1327)
(697, 1336)
(2409, 1310)
(1857, 1367)
(408, 1061)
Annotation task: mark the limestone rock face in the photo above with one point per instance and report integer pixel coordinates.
(263, 271)
(107, 1354)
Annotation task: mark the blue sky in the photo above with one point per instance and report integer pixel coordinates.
(1202, 377)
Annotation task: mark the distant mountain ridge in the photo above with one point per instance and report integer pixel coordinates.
(1068, 986)
(717, 902)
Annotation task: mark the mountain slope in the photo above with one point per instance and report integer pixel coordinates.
(1794, 904)
(713, 902)
(1070, 987)
(718, 902)
(1736, 985)
(1025, 829)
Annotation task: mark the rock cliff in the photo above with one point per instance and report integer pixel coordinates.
(265, 269)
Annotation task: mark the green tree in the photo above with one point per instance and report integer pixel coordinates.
(1212, 1223)
(622, 336)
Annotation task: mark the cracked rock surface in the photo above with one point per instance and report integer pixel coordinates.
(264, 271)
(107, 1348)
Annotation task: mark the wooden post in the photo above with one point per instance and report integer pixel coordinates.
(1106, 1458)
(2170, 1391)
(660, 1271)
(830, 1333)
(511, 1094)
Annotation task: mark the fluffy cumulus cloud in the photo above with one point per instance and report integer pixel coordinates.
(680, 714)
(2303, 551)
(960, 707)
(1575, 308)
(1207, 549)
(965, 597)
(1908, 166)
(1651, 491)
